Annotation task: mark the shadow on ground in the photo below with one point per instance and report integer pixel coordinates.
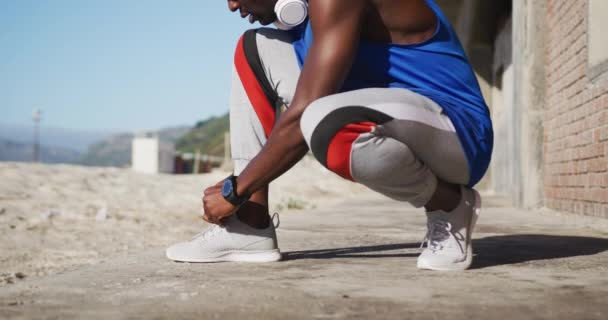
(354, 252)
(489, 251)
(518, 248)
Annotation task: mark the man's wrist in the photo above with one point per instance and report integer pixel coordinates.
(242, 187)
(230, 192)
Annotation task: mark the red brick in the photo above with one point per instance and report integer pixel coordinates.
(597, 165)
(604, 101)
(598, 194)
(598, 180)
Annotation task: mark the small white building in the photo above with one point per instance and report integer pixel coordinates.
(150, 155)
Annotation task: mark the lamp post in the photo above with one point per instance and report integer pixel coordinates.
(36, 116)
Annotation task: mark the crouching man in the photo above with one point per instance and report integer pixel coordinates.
(382, 94)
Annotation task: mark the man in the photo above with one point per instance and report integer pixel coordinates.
(382, 94)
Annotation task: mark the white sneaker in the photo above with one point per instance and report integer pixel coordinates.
(449, 245)
(234, 241)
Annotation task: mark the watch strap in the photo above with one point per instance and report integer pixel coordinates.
(232, 196)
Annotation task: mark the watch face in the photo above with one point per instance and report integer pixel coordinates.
(227, 188)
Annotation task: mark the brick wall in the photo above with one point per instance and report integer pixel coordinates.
(576, 115)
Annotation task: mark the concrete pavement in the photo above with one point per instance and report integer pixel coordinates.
(355, 260)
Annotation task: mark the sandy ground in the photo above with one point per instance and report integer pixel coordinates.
(348, 254)
(56, 217)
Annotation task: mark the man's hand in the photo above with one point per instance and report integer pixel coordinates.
(215, 207)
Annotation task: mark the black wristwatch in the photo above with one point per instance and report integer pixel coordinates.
(229, 192)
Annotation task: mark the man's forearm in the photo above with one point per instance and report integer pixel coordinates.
(327, 64)
(284, 148)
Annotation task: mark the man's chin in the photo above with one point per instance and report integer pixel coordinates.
(265, 22)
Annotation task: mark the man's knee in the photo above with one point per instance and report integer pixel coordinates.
(330, 134)
(325, 117)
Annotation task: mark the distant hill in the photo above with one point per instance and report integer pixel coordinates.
(77, 140)
(206, 136)
(23, 152)
(115, 150)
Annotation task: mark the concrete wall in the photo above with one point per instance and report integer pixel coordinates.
(166, 157)
(149, 155)
(596, 37)
(517, 103)
(144, 155)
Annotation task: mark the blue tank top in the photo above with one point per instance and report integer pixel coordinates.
(436, 68)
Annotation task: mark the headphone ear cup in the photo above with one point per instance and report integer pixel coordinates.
(290, 13)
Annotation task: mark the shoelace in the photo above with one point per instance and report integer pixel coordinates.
(216, 229)
(209, 232)
(438, 232)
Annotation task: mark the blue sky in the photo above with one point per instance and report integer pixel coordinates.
(116, 64)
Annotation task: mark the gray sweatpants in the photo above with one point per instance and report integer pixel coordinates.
(391, 140)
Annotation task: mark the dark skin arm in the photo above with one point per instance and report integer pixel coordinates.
(336, 29)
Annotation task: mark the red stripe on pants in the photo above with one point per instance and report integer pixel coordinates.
(340, 148)
(263, 108)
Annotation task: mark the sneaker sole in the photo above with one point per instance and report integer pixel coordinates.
(465, 264)
(236, 256)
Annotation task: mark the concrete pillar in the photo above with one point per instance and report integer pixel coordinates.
(528, 100)
(503, 166)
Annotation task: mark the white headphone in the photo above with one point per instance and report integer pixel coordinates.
(290, 13)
